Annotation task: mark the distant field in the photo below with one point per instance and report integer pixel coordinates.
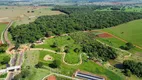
(130, 31)
(21, 14)
(126, 9)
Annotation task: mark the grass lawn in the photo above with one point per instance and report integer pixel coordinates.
(130, 31)
(72, 58)
(61, 41)
(44, 53)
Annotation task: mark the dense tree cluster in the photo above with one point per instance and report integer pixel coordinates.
(55, 64)
(5, 60)
(93, 48)
(3, 48)
(134, 67)
(127, 46)
(77, 19)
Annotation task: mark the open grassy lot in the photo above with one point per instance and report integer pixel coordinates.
(130, 31)
(72, 58)
(60, 41)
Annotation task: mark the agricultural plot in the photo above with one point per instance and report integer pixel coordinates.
(130, 32)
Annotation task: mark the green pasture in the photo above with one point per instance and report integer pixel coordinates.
(60, 41)
(130, 31)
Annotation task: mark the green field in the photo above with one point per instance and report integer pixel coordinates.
(2, 27)
(88, 66)
(60, 41)
(130, 32)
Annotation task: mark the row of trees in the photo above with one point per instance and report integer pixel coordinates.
(131, 66)
(93, 48)
(76, 20)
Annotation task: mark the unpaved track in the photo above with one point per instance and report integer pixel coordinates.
(6, 34)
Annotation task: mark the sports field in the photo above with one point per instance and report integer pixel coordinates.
(131, 32)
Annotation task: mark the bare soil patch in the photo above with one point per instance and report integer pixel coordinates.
(52, 77)
(48, 58)
(105, 35)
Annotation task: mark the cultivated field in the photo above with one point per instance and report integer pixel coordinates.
(130, 32)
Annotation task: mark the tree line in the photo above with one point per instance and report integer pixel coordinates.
(133, 67)
(77, 19)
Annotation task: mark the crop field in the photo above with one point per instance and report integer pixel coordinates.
(131, 32)
(25, 14)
